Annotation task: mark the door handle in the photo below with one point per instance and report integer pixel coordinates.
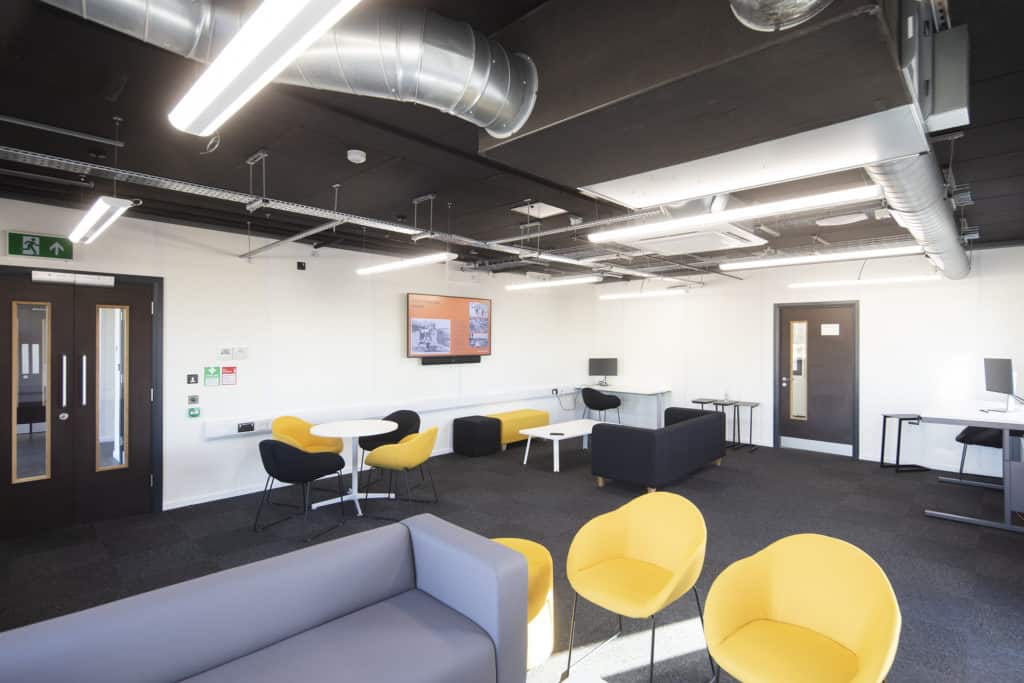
(85, 381)
(63, 380)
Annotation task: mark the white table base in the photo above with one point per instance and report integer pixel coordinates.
(353, 494)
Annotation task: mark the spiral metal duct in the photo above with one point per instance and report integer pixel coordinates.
(776, 15)
(404, 54)
(916, 198)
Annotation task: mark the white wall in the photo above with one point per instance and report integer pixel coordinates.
(322, 342)
(921, 344)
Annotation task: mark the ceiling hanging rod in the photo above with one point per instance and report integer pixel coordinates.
(650, 213)
(60, 131)
(292, 238)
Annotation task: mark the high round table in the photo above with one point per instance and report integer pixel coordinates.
(353, 429)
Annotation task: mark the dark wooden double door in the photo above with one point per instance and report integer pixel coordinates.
(76, 411)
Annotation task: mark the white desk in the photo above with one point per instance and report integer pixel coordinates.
(557, 433)
(353, 429)
(1013, 468)
(658, 392)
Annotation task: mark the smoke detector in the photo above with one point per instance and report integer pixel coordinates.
(356, 156)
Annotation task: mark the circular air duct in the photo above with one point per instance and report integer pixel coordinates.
(776, 15)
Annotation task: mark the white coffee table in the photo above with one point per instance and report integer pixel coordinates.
(557, 433)
(353, 429)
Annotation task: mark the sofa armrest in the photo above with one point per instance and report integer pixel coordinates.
(623, 453)
(674, 415)
(481, 579)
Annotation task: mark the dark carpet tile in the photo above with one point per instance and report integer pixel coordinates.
(960, 587)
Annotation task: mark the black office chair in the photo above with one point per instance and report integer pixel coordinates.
(600, 402)
(291, 465)
(981, 436)
(408, 423)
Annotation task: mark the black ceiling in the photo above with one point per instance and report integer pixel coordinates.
(63, 71)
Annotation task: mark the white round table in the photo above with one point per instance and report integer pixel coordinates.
(353, 429)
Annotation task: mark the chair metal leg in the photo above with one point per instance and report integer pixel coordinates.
(618, 415)
(341, 495)
(430, 475)
(963, 459)
(572, 633)
(700, 613)
(263, 499)
(650, 676)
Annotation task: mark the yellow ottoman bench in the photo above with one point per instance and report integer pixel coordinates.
(540, 616)
(514, 420)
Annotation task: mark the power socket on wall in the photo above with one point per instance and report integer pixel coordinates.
(246, 427)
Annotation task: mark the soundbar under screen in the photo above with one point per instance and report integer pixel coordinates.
(448, 326)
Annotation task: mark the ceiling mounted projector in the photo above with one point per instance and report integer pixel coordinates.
(776, 15)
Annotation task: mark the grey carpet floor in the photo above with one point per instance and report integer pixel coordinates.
(961, 588)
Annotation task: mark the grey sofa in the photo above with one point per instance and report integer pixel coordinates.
(690, 440)
(421, 600)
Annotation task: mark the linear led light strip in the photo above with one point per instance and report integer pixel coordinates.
(670, 226)
(273, 36)
(101, 216)
(558, 282)
(866, 281)
(827, 257)
(439, 257)
(649, 294)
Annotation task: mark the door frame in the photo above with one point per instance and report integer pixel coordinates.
(776, 437)
(157, 350)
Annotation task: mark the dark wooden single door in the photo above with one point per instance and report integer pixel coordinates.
(113, 356)
(76, 408)
(36, 430)
(816, 376)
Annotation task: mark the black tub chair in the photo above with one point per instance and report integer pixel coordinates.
(291, 465)
(980, 436)
(600, 402)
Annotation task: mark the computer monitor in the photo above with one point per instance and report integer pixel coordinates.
(604, 367)
(999, 377)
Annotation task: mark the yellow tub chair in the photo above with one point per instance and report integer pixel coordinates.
(637, 560)
(806, 609)
(295, 431)
(540, 596)
(411, 453)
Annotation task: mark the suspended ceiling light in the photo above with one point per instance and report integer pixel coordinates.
(855, 195)
(439, 257)
(558, 282)
(845, 219)
(103, 213)
(827, 257)
(273, 36)
(648, 294)
(866, 281)
(776, 15)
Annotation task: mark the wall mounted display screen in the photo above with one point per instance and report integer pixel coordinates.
(448, 326)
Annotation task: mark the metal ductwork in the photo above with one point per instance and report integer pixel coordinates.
(396, 53)
(916, 198)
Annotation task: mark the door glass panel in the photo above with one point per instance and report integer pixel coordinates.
(798, 370)
(111, 387)
(30, 451)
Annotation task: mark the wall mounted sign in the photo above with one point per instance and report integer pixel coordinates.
(211, 376)
(229, 375)
(43, 246)
(193, 411)
(192, 378)
(193, 399)
(830, 329)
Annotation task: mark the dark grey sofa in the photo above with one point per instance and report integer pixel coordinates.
(690, 440)
(421, 600)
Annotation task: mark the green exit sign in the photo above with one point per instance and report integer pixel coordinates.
(44, 246)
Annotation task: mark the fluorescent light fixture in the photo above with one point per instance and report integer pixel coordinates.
(671, 226)
(105, 211)
(273, 36)
(555, 258)
(647, 294)
(866, 281)
(440, 257)
(828, 257)
(558, 282)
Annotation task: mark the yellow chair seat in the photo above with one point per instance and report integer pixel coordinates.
(766, 651)
(295, 432)
(632, 588)
(540, 579)
(407, 454)
(514, 420)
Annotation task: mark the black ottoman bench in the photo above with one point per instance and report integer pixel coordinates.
(476, 435)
